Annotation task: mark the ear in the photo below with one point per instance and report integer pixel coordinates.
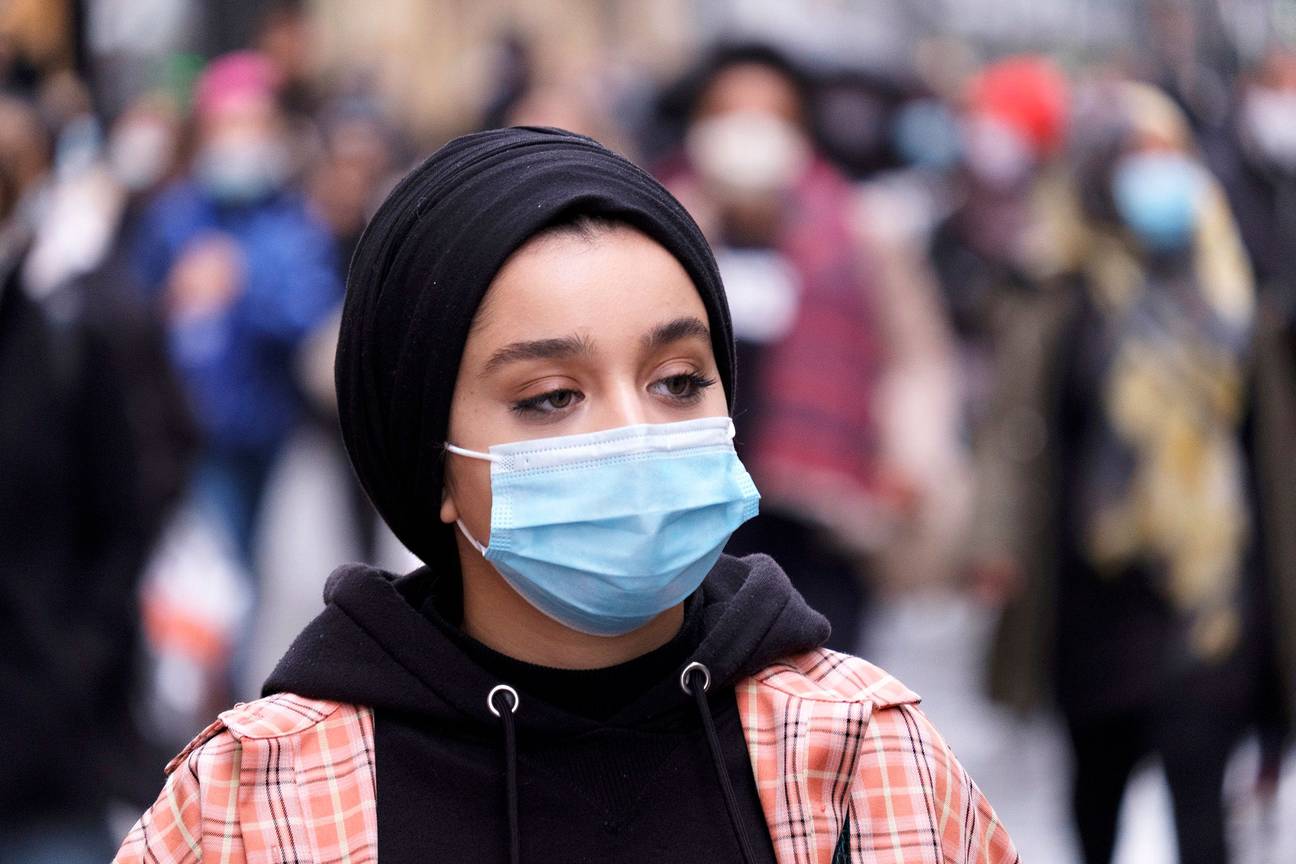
(449, 511)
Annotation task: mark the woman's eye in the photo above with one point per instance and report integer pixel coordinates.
(684, 388)
(548, 403)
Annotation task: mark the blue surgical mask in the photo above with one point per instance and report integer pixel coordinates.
(926, 135)
(1158, 196)
(242, 169)
(604, 531)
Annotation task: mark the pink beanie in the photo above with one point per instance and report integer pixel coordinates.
(233, 78)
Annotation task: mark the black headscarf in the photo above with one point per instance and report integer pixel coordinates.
(422, 268)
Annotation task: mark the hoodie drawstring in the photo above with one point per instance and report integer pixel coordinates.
(503, 702)
(695, 680)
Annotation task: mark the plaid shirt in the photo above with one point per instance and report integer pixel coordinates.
(848, 770)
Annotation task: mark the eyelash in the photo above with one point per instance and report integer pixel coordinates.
(696, 381)
(534, 405)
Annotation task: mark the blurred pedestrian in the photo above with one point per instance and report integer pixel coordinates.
(992, 249)
(1000, 241)
(1260, 177)
(352, 171)
(780, 217)
(923, 452)
(242, 269)
(1117, 446)
(76, 522)
(344, 185)
(284, 37)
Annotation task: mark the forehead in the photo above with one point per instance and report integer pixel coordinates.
(750, 86)
(243, 109)
(611, 285)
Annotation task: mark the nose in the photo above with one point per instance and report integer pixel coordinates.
(622, 406)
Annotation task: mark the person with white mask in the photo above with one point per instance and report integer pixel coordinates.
(241, 270)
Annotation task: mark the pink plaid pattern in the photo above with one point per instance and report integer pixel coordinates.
(841, 753)
(283, 780)
(839, 750)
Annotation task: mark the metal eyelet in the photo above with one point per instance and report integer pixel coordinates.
(691, 668)
(502, 688)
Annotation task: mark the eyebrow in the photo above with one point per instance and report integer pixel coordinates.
(673, 331)
(566, 347)
(541, 349)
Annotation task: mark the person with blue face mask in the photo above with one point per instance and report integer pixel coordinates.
(1158, 195)
(535, 380)
(579, 530)
(1128, 518)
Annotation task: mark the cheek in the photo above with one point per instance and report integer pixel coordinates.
(713, 401)
(468, 484)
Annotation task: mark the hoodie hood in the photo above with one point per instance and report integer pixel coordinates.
(373, 646)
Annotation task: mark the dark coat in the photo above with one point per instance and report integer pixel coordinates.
(1021, 464)
(82, 495)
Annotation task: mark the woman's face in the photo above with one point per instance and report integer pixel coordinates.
(577, 333)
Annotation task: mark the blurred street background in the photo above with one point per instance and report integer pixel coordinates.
(1014, 284)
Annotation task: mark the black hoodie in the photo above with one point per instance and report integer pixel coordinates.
(605, 770)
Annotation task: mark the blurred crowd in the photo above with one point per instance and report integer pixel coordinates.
(1007, 325)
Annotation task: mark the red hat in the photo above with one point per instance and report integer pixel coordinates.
(1028, 93)
(233, 78)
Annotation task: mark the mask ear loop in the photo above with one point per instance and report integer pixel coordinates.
(471, 454)
(471, 539)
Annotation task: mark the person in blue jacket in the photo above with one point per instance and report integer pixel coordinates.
(242, 270)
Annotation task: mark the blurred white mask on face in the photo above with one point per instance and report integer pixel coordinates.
(748, 152)
(996, 153)
(1269, 120)
(240, 169)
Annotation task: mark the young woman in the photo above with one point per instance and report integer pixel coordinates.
(534, 376)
